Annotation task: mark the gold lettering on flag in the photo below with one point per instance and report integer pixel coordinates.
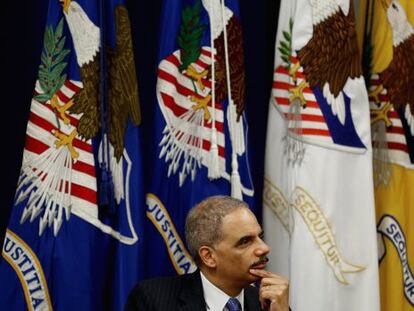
(321, 231)
(158, 214)
(390, 228)
(29, 271)
(276, 201)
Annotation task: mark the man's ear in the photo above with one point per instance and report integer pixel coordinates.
(207, 256)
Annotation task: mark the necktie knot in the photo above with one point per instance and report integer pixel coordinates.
(233, 305)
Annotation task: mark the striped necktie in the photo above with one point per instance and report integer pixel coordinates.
(233, 305)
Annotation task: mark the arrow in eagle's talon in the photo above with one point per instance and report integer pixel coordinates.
(197, 76)
(54, 102)
(293, 71)
(382, 115)
(66, 140)
(202, 103)
(375, 93)
(297, 93)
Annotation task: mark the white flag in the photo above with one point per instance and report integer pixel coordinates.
(319, 213)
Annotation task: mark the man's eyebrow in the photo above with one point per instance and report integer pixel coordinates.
(243, 239)
(250, 237)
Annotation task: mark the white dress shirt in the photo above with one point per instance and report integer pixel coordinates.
(215, 298)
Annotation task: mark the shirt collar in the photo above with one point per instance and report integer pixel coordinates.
(215, 298)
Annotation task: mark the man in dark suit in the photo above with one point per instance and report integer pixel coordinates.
(226, 242)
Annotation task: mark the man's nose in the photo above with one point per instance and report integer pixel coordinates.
(262, 248)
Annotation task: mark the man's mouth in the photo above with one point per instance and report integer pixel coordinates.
(261, 263)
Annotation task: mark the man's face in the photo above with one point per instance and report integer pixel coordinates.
(241, 248)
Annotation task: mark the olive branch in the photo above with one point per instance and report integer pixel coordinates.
(52, 64)
(191, 32)
(285, 47)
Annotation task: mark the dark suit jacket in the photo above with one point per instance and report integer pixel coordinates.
(179, 293)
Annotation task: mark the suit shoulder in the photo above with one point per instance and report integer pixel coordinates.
(156, 284)
(154, 294)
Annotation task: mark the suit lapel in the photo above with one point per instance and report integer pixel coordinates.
(251, 299)
(191, 297)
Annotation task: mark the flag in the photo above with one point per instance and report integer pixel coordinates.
(318, 195)
(74, 238)
(200, 146)
(389, 63)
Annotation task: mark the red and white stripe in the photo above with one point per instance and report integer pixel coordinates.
(39, 138)
(313, 127)
(174, 90)
(396, 141)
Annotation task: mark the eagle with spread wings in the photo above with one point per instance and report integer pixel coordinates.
(331, 56)
(123, 101)
(398, 77)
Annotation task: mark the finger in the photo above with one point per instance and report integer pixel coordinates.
(266, 274)
(261, 273)
(276, 296)
(261, 299)
(264, 303)
(276, 280)
(273, 290)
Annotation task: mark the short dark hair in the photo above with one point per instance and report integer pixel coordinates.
(203, 222)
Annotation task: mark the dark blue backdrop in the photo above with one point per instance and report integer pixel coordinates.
(21, 35)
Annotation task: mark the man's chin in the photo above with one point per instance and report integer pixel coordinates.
(253, 278)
